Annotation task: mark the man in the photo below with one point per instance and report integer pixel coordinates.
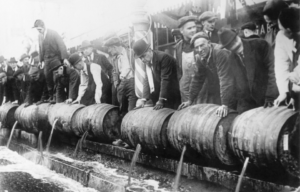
(161, 85)
(249, 30)
(24, 79)
(52, 52)
(123, 76)
(213, 65)
(67, 84)
(24, 63)
(253, 70)
(13, 64)
(94, 86)
(185, 55)
(208, 22)
(271, 13)
(11, 92)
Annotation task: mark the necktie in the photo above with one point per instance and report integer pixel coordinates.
(241, 56)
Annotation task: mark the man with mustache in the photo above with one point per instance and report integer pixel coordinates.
(213, 65)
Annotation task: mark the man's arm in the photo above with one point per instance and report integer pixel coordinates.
(83, 85)
(268, 60)
(168, 65)
(74, 81)
(60, 91)
(96, 72)
(226, 78)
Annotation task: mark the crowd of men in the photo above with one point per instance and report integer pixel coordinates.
(210, 66)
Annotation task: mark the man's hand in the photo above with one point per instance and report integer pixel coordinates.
(26, 104)
(292, 103)
(222, 111)
(76, 101)
(15, 102)
(268, 103)
(184, 105)
(140, 103)
(68, 101)
(280, 98)
(98, 101)
(159, 104)
(4, 100)
(66, 62)
(39, 102)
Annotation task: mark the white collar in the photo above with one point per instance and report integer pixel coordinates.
(45, 33)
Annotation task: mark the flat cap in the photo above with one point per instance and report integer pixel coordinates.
(249, 25)
(185, 19)
(74, 59)
(198, 35)
(19, 72)
(140, 47)
(207, 15)
(86, 44)
(38, 23)
(112, 41)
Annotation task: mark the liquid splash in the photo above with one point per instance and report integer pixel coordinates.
(79, 144)
(237, 189)
(134, 159)
(179, 169)
(11, 133)
(50, 137)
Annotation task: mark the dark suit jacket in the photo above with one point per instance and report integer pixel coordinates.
(52, 49)
(69, 81)
(259, 65)
(217, 72)
(10, 89)
(104, 63)
(165, 79)
(37, 90)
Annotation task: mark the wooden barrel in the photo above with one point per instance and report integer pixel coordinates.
(268, 136)
(64, 113)
(147, 127)
(199, 128)
(101, 120)
(7, 112)
(33, 118)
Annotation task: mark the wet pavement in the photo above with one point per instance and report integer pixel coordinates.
(17, 174)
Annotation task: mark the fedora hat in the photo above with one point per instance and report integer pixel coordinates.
(226, 36)
(86, 44)
(13, 60)
(140, 47)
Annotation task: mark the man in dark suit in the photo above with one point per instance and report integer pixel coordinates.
(161, 86)
(53, 53)
(67, 84)
(24, 80)
(213, 66)
(208, 21)
(24, 63)
(253, 69)
(11, 92)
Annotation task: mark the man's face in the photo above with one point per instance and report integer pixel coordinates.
(79, 66)
(26, 60)
(13, 65)
(60, 70)
(112, 50)
(209, 24)
(87, 51)
(248, 32)
(40, 30)
(188, 30)
(20, 77)
(235, 45)
(147, 57)
(202, 47)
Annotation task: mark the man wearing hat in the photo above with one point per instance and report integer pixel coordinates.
(213, 66)
(123, 75)
(67, 84)
(24, 62)
(24, 84)
(249, 30)
(253, 70)
(208, 21)
(161, 85)
(52, 52)
(94, 86)
(185, 55)
(13, 63)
